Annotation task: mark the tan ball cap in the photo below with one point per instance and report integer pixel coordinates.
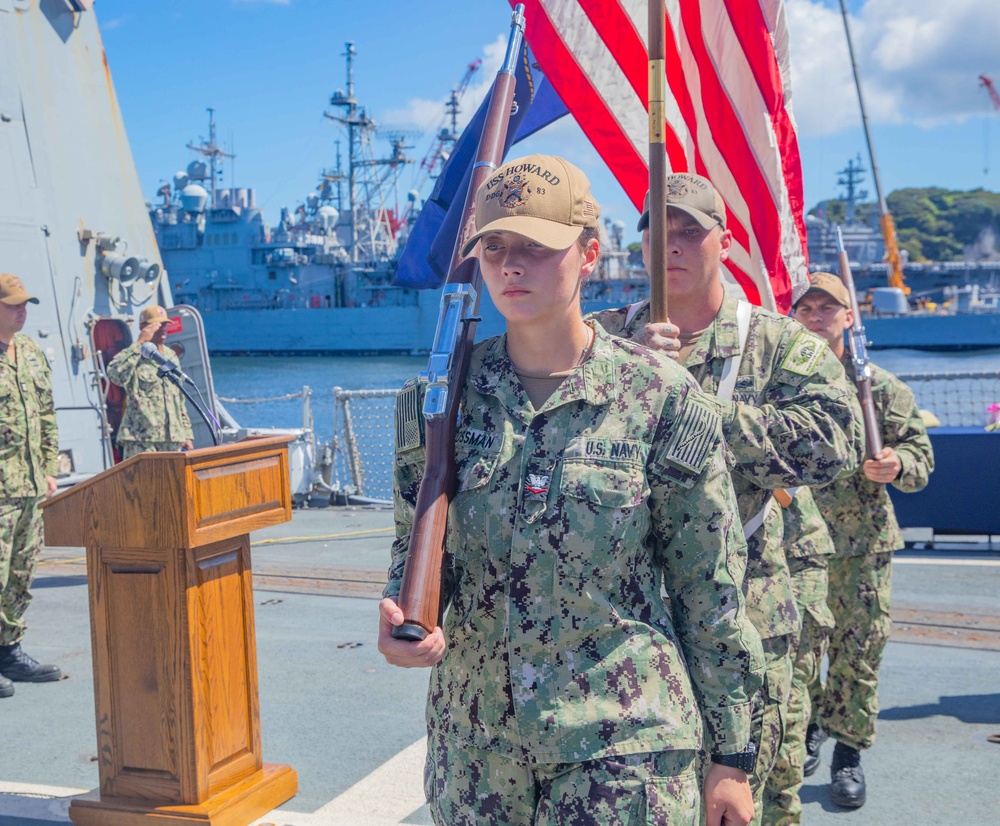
(541, 197)
(827, 282)
(154, 314)
(12, 290)
(694, 195)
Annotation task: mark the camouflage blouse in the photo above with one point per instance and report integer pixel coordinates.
(793, 420)
(859, 512)
(154, 406)
(566, 524)
(29, 441)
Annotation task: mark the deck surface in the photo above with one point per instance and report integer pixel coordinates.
(352, 726)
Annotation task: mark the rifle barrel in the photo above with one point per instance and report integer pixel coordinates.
(420, 592)
(858, 345)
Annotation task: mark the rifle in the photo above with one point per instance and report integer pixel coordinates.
(657, 163)
(447, 366)
(858, 344)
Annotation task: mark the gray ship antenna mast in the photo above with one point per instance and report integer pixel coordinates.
(370, 234)
(211, 150)
(851, 177)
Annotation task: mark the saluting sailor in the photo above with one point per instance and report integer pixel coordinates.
(591, 473)
(156, 418)
(789, 416)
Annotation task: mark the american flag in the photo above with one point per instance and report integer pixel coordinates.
(729, 114)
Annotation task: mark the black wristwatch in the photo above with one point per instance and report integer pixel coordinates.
(745, 760)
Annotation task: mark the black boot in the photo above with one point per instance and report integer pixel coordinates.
(815, 737)
(6, 687)
(847, 786)
(18, 666)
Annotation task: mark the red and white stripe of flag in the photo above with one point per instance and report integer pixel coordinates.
(729, 114)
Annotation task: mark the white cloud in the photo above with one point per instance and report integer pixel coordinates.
(919, 61)
(428, 115)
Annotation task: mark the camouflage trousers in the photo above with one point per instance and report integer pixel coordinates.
(468, 787)
(20, 545)
(130, 449)
(768, 715)
(846, 706)
(809, 584)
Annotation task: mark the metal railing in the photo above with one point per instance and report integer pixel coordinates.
(958, 399)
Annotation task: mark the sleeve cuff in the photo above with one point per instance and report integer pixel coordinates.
(727, 729)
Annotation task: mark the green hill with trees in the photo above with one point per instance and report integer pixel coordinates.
(932, 224)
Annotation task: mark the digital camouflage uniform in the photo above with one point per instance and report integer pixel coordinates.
(808, 547)
(155, 416)
(793, 421)
(862, 523)
(565, 673)
(29, 452)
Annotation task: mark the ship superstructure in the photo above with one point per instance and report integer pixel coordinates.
(335, 250)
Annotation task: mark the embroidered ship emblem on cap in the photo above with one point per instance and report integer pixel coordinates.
(676, 191)
(517, 192)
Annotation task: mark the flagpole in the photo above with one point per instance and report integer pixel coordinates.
(657, 163)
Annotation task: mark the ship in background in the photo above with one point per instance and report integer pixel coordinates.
(951, 305)
(73, 227)
(320, 282)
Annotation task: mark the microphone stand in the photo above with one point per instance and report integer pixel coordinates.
(165, 372)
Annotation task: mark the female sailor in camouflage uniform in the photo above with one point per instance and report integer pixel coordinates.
(590, 475)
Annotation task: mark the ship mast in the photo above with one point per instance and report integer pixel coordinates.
(369, 232)
(211, 150)
(885, 217)
(851, 178)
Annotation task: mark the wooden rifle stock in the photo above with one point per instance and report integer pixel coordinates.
(858, 345)
(657, 163)
(420, 593)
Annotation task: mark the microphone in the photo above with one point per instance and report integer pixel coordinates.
(167, 367)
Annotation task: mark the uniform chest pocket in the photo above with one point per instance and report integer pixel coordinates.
(607, 484)
(474, 469)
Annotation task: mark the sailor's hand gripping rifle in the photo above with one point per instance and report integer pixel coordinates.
(857, 343)
(420, 594)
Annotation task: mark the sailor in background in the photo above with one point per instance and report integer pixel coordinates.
(29, 462)
(862, 524)
(789, 416)
(808, 548)
(590, 473)
(155, 416)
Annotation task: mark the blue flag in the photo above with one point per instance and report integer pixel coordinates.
(427, 255)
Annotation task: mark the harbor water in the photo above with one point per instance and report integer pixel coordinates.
(267, 377)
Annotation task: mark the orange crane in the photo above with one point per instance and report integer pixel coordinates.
(885, 217)
(987, 83)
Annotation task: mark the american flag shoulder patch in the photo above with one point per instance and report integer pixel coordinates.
(694, 434)
(408, 419)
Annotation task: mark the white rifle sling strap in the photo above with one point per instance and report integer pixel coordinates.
(633, 311)
(727, 384)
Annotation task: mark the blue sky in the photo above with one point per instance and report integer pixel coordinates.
(269, 67)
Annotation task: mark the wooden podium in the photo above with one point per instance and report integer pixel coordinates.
(172, 628)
